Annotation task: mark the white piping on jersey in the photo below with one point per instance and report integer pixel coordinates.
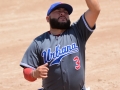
(86, 24)
(26, 65)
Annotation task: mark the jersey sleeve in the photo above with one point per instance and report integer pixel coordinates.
(31, 58)
(82, 28)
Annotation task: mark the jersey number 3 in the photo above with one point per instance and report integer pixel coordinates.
(77, 62)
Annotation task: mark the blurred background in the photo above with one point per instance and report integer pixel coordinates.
(23, 20)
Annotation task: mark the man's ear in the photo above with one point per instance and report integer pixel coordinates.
(47, 18)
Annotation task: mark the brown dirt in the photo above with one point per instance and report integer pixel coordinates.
(22, 20)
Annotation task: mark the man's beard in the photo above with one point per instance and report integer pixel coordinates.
(55, 24)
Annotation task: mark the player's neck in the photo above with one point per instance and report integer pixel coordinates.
(56, 31)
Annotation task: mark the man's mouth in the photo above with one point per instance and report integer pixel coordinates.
(63, 18)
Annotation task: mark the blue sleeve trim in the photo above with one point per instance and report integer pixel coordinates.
(86, 24)
(26, 65)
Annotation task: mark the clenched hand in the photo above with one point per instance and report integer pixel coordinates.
(41, 71)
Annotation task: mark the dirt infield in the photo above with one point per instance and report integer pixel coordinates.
(22, 20)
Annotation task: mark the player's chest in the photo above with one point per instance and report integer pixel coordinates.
(59, 42)
(58, 47)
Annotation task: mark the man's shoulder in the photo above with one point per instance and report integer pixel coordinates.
(78, 20)
(42, 36)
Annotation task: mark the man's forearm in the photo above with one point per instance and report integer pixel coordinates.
(93, 5)
(92, 13)
(28, 75)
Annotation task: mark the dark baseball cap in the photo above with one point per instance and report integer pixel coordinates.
(60, 5)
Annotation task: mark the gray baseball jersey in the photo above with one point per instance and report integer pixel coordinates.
(65, 55)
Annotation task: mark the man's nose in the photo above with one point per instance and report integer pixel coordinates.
(62, 13)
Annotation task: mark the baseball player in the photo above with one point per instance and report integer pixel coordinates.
(58, 55)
